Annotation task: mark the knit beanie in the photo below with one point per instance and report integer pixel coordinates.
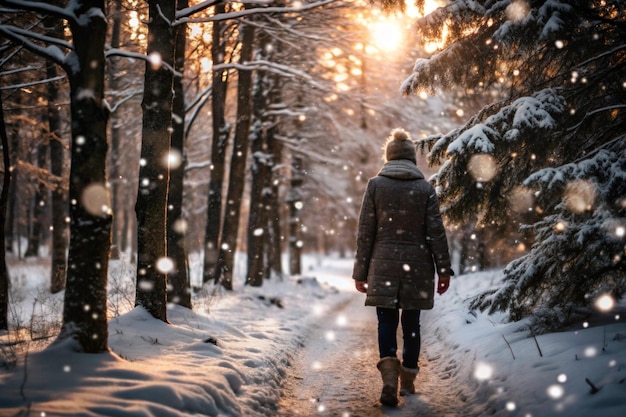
(399, 146)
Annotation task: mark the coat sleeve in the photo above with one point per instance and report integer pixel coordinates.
(436, 236)
(366, 235)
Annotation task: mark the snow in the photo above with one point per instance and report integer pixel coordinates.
(231, 355)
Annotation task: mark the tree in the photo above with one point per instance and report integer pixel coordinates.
(114, 163)
(238, 162)
(151, 207)
(180, 290)
(265, 94)
(556, 125)
(6, 182)
(58, 264)
(221, 131)
(84, 311)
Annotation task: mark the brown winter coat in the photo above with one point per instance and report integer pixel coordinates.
(401, 239)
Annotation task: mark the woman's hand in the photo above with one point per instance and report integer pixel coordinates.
(443, 284)
(361, 286)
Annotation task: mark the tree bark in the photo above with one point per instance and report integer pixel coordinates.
(114, 159)
(275, 241)
(11, 232)
(151, 207)
(259, 169)
(221, 131)
(6, 183)
(58, 199)
(236, 182)
(39, 202)
(295, 200)
(260, 245)
(180, 291)
(84, 310)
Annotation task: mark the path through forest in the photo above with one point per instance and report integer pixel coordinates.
(335, 374)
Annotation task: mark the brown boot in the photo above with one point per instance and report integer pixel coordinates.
(389, 368)
(407, 378)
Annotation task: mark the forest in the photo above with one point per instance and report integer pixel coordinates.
(262, 120)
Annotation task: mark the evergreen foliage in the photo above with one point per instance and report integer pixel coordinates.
(553, 137)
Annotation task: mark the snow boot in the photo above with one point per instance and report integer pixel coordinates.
(389, 368)
(407, 378)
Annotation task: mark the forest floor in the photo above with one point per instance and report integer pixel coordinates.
(338, 377)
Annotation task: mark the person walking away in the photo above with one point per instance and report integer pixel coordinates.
(401, 241)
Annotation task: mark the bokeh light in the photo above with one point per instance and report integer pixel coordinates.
(521, 199)
(555, 391)
(482, 167)
(579, 196)
(483, 371)
(165, 265)
(516, 11)
(95, 200)
(155, 61)
(605, 302)
(591, 351)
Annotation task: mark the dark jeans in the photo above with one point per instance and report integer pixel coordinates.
(387, 327)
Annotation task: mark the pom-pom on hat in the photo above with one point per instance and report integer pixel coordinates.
(399, 145)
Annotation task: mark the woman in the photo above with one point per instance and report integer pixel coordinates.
(400, 242)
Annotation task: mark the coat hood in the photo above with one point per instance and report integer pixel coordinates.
(403, 169)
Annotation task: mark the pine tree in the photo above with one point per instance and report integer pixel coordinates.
(551, 143)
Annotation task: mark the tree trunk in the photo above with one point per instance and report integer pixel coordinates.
(114, 159)
(295, 204)
(151, 207)
(236, 182)
(39, 207)
(275, 240)
(6, 183)
(258, 230)
(221, 131)
(58, 262)
(84, 311)
(179, 278)
(12, 238)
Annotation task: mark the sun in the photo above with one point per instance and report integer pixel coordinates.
(386, 33)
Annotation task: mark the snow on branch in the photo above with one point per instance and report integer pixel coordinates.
(478, 138)
(283, 70)
(30, 84)
(550, 15)
(509, 123)
(203, 5)
(40, 37)
(41, 7)
(52, 52)
(134, 55)
(248, 12)
(605, 163)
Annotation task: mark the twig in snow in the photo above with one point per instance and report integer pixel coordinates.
(509, 345)
(536, 341)
(594, 389)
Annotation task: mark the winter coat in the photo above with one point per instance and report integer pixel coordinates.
(401, 239)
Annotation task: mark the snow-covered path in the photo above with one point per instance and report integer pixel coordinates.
(335, 374)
